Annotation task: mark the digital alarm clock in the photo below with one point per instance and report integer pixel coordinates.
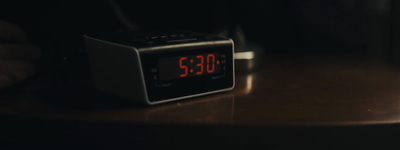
(157, 67)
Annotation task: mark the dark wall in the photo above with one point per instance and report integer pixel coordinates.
(289, 26)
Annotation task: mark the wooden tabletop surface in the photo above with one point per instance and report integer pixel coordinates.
(298, 90)
(283, 90)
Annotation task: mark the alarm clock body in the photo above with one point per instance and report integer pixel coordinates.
(157, 67)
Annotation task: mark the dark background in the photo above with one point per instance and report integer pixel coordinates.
(289, 26)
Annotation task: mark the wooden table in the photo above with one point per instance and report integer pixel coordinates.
(311, 101)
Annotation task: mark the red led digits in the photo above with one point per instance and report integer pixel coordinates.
(200, 64)
(199, 67)
(212, 57)
(183, 67)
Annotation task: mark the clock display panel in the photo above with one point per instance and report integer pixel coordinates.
(179, 73)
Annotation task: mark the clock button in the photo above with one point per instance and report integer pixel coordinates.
(150, 42)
